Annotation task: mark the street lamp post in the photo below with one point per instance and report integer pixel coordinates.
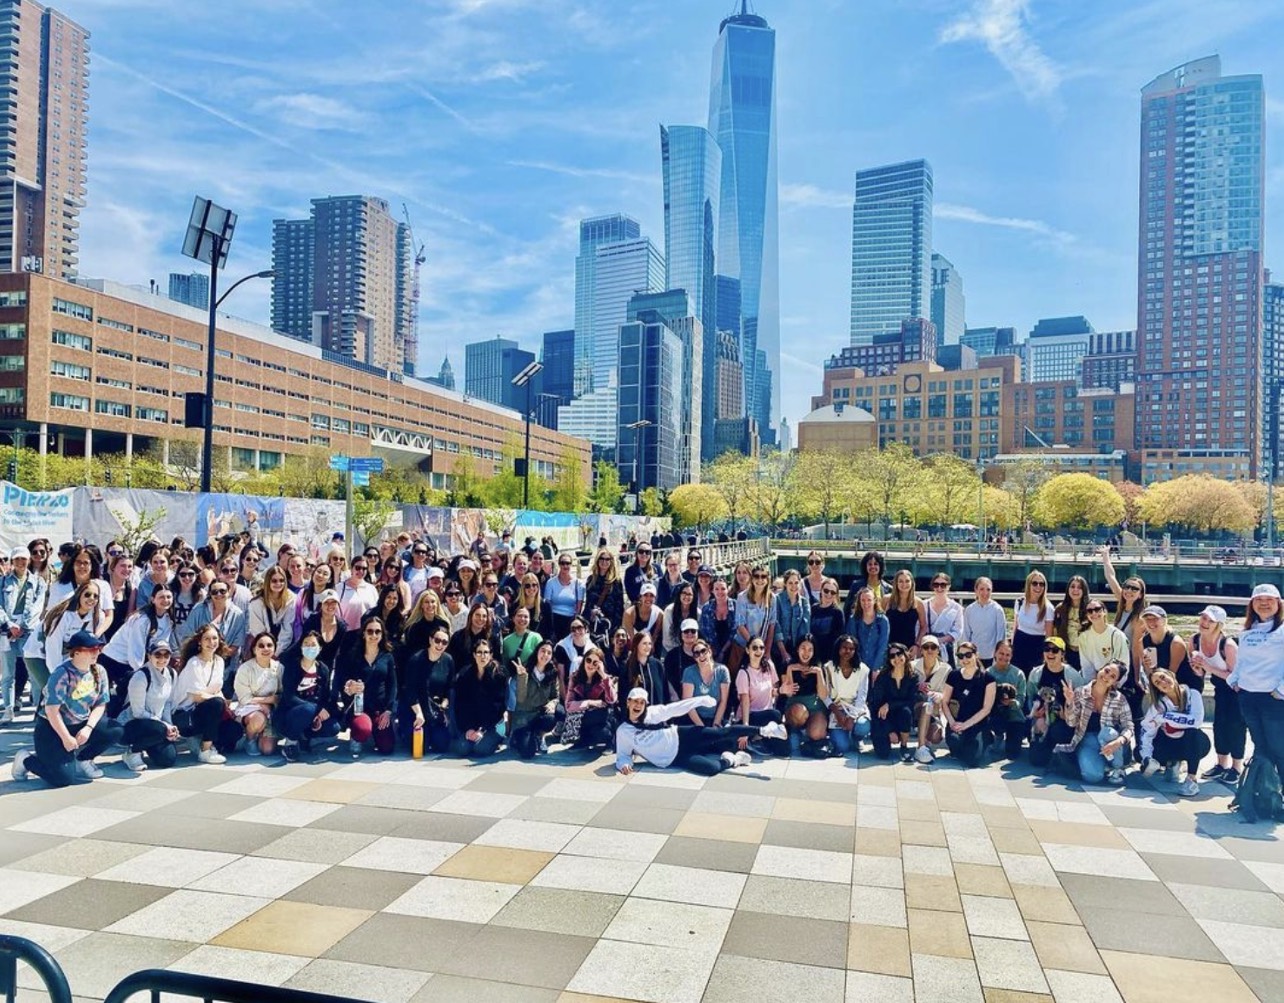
(635, 484)
(524, 379)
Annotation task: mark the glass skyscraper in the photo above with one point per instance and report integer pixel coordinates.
(742, 117)
(692, 163)
(593, 232)
(1199, 283)
(891, 248)
(948, 302)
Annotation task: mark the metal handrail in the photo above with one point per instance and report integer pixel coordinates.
(13, 949)
(210, 989)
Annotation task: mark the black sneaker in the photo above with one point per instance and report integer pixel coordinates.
(1214, 772)
(1230, 776)
(289, 751)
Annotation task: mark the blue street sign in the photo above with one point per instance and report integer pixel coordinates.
(360, 478)
(339, 463)
(370, 464)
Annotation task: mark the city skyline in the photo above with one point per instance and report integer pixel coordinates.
(498, 156)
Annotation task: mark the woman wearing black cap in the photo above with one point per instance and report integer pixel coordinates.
(149, 726)
(70, 725)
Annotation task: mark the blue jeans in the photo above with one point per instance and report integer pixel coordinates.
(1092, 765)
(8, 666)
(844, 740)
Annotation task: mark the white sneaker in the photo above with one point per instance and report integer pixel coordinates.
(923, 755)
(355, 748)
(742, 758)
(729, 759)
(1115, 778)
(1151, 768)
(773, 730)
(8, 715)
(88, 769)
(1189, 787)
(20, 764)
(134, 761)
(211, 756)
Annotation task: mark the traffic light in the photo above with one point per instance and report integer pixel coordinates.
(13, 471)
(194, 410)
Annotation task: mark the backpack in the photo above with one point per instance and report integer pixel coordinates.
(1258, 794)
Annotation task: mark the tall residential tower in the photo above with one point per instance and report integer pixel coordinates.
(742, 118)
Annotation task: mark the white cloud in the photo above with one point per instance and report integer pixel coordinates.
(507, 70)
(571, 171)
(811, 197)
(1001, 26)
(967, 214)
(311, 111)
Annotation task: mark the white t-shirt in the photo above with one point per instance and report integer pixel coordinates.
(1028, 620)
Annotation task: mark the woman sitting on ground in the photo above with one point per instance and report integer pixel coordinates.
(807, 711)
(307, 709)
(1172, 731)
(537, 702)
(479, 699)
(1101, 642)
(258, 687)
(848, 679)
(365, 689)
(198, 693)
(892, 699)
(1102, 723)
(707, 678)
(967, 701)
(149, 726)
(590, 703)
(647, 732)
(430, 676)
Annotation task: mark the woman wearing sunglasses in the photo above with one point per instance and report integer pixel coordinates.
(365, 689)
(257, 688)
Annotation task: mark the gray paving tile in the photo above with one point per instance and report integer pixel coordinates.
(354, 888)
(1136, 817)
(736, 979)
(1267, 847)
(205, 804)
(192, 778)
(560, 910)
(161, 829)
(456, 989)
(1265, 982)
(637, 818)
(792, 897)
(817, 942)
(1173, 934)
(1090, 891)
(1170, 868)
(442, 827)
(15, 846)
(525, 957)
(363, 818)
(538, 809)
(96, 963)
(316, 846)
(810, 835)
(389, 985)
(508, 783)
(383, 940)
(1233, 904)
(712, 854)
(651, 796)
(813, 790)
(90, 904)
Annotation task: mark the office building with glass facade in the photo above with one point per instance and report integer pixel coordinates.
(742, 118)
(1056, 348)
(489, 368)
(891, 248)
(947, 300)
(650, 390)
(593, 232)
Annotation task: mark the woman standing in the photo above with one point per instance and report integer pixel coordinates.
(871, 630)
(1172, 731)
(48, 644)
(906, 612)
(149, 727)
(308, 600)
(392, 613)
(126, 653)
(944, 616)
(479, 699)
(967, 701)
(793, 618)
(828, 620)
(188, 590)
(716, 622)
(365, 689)
(815, 580)
(424, 619)
(1258, 676)
(1130, 599)
(1102, 642)
(307, 708)
(644, 670)
(390, 576)
(707, 751)
(892, 698)
(198, 693)
(872, 569)
(272, 611)
(848, 679)
(480, 624)
(158, 568)
(671, 580)
(1213, 655)
(564, 596)
(604, 591)
(71, 727)
(1070, 618)
(530, 599)
(1102, 723)
(741, 578)
(120, 585)
(257, 687)
(755, 616)
(82, 567)
(1033, 624)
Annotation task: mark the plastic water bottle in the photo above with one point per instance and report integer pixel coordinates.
(359, 703)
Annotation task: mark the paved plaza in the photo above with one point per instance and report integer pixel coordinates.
(806, 880)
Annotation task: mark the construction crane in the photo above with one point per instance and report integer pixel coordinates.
(410, 356)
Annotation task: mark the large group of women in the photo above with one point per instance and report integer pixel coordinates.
(223, 651)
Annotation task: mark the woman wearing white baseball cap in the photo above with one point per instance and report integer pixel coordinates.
(1213, 656)
(1258, 676)
(647, 732)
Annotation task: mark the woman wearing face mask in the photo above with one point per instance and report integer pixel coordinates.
(127, 651)
(306, 709)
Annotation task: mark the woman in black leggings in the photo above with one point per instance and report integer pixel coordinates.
(706, 751)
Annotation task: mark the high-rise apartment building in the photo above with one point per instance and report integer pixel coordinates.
(192, 289)
(675, 310)
(891, 248)
(599, 230)
(742, 117)
(948, 301)
(728, 381)
(1199, 283)
(692, 163)
(44, 77)
(489, 368)
(352, 292)
(1056, 348)
(1273, 376)
(1111, 360)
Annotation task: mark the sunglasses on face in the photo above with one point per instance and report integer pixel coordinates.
(967, 654)
(1132, 588)
(438, 642)
(228, 571)
(1038, 585)
(757, 647)
(374, 633)
(265, 645)
(1052, 649)
(930, 647)
(563, 564)
(1096, 609)
(481, 651)
(760, 578)
(187, 574)
(360, 567)
(939, 585)
(700, 652)
(218, 592)
(531, 585)
(813, 563)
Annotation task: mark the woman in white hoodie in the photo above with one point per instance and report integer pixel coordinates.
(1172, 730)
(647, 732)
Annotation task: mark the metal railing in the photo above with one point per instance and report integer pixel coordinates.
(15, 949)
(155, 981)
(1060, 550)
(722, 557)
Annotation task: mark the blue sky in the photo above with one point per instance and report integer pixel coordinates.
(501, 123)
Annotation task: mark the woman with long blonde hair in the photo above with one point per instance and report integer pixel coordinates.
(1034, 615)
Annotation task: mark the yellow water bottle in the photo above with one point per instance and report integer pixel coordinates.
(417, 742)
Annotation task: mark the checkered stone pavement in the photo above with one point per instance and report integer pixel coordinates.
(833, 880)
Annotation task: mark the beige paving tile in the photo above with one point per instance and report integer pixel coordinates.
(1015, 840)
(982, 879)
(389, 985)
(1146, 978)
(923, 834)
(1008, 964)
(863, 986)
(877, 842)
(332, 791)
(1003, 816)
(882, 950)
(495, 863)
(912, 812)
(932, 891)
(1076, 987)
(1065, 947)
(733, 828)
(940, 933)
(1045, 905)
(1106, 837)
(1013, 996)
(80, 858)
(260, 966)
(824, 812)
(298, 928)
(991, 917)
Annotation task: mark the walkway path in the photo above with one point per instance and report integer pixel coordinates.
(438, 880)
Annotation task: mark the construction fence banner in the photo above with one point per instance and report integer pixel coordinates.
(28, 515)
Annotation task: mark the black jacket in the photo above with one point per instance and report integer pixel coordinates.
(292, 674)
(380, 679)
(479, 702)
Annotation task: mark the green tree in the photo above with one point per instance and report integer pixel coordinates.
(466, 487)
(1078, 501)
(370, 516)
(652, 503)
(771, 494)
(697, 505)
(733, 474)
(1022, 480)
(1001, 509)
(1199, 503)
(893, 474)
(570, 494)
(608, 493)
(821, 486)
(949, 490)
